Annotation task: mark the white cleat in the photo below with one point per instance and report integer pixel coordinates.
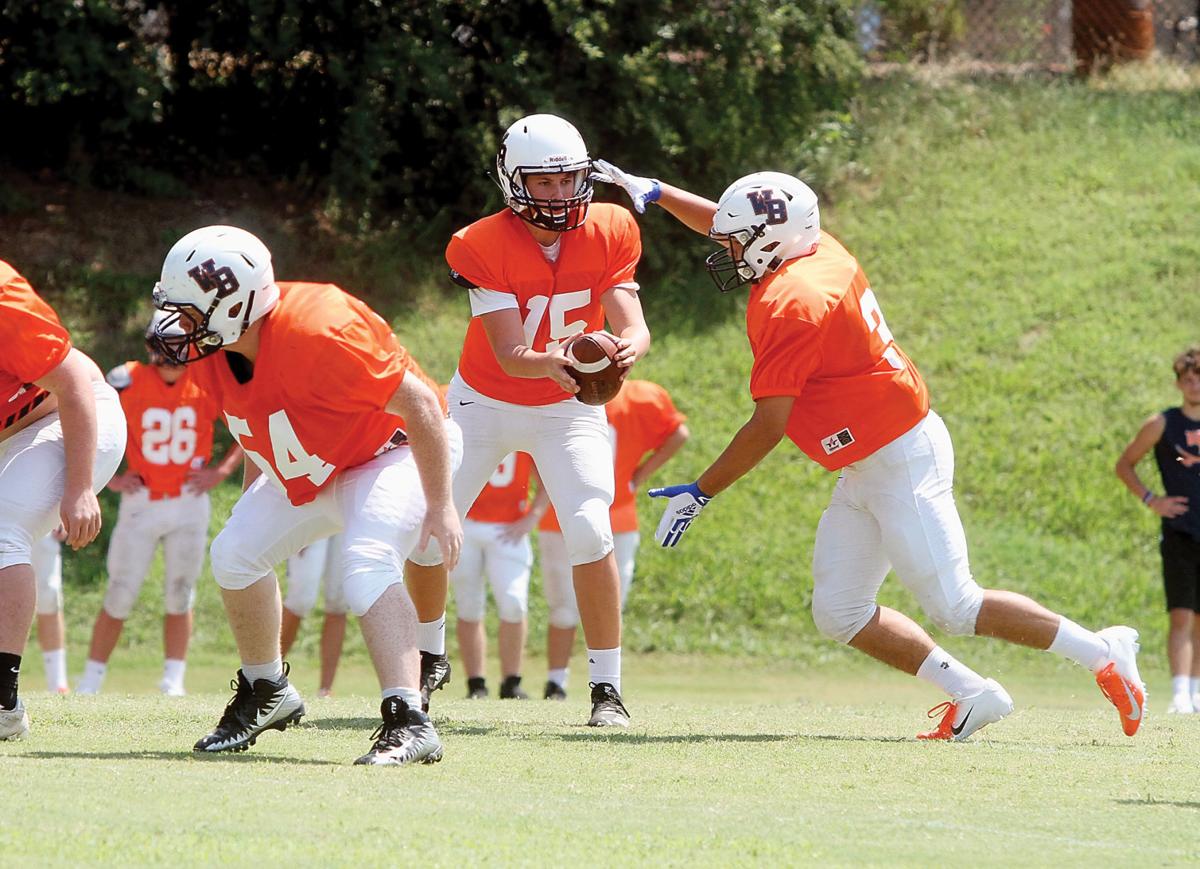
(14, 723)
(171, 689)
(1181, 704)
(961, 718)
(1118, 677)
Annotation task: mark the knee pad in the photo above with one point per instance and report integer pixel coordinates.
(470, 599)
(121, 595)
(840, 620)
(587, 532)
(511, 607)
(370, 569)
(335, 597)
(179, 595)
(956, 617)
(301, 596)
(230, 569)
(430, 556)
(49, 599)
(565, 615)
(16, 545)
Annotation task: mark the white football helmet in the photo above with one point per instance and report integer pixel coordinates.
(772, 217)
(215, 282)
(538, 145)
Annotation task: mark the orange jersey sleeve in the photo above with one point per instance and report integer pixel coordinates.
(505, 498)
(641, 418)
(32, 343)
(817, 333)
(170, 426)
(552, 300)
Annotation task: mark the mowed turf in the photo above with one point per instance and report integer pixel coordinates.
(725, 764)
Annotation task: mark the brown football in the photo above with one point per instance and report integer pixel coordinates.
(598, 376)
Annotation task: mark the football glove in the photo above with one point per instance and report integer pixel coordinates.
(642, 191)
(684, 505)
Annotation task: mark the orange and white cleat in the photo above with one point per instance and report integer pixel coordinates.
(1118, 677)
(961, 718)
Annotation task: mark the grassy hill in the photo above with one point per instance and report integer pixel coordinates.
(1033, 245)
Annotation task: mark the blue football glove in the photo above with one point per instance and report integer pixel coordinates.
(642, 191)
(685, 505)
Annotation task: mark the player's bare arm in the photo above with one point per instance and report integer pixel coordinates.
(537, 509)
(203, 480)
(71, 384)
(673, 444)
(518, 359)
(754, 440)
(623, 310)
(1167, 506)
(423, 416)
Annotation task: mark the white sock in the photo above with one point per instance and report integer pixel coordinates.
(1080, 645)
(173, 670)
(951, 675)
(1180, 686)
(55, 662)
(604, 665)
(92, 679)
(431, 636)
(558, 677)
(411, 696)
(1195, 685)
(272, 671)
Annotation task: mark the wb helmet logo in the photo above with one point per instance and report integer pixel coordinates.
(208, 277)
(765, 202)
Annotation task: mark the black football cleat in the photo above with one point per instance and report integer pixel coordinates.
(477, 688)
(435, 674)
(265, 705)
(405, 736)
(554, 691)
(607, 708)
(510, 689)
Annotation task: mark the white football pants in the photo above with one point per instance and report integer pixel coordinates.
(505, 564)
(317, 562)
(895, 509)
(47, 570)
(557, 582)
(180, 524)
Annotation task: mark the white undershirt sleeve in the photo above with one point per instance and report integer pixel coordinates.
(486, 301)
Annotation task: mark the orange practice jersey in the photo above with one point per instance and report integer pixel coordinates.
(818, 334)
(640, 419)
(170, 426)
(505, 498)
(32, 344)
(555, 300)
(326, 367)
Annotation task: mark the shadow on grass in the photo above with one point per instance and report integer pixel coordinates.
(369, 724)
(186, 756)
(594, 733)
(1151, 801)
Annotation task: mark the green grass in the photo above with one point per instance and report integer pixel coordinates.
(725, 764)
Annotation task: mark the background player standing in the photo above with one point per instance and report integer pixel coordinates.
(51, 628)
(541, 271)
(164, 500)
(646, 431)
(61, 438)
(315, 566)
(828, 374)
(1174, 435)
(343, 432)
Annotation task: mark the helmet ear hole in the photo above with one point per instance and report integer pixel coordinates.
(235, 310)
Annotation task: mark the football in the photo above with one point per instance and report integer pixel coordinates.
(598, 376)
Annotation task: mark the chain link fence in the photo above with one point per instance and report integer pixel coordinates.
(1155, 40)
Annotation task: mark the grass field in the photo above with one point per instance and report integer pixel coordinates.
(727, 763)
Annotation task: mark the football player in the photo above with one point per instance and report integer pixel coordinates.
(61, 438)
(51, 629)
(496, 550)
(646, 431)
(343, 433)
(1174, 436)
(164, 501)
(315, 565)
(547, 268)
(828, 374)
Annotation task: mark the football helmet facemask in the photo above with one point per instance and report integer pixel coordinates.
(215, 282)
(540, 145)
(762, 220)
(174, 330)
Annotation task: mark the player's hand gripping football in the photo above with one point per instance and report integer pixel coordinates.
(685, 505)
(642, 191)
(626, 353)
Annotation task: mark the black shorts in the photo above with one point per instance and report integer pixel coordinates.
(1181, 569)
